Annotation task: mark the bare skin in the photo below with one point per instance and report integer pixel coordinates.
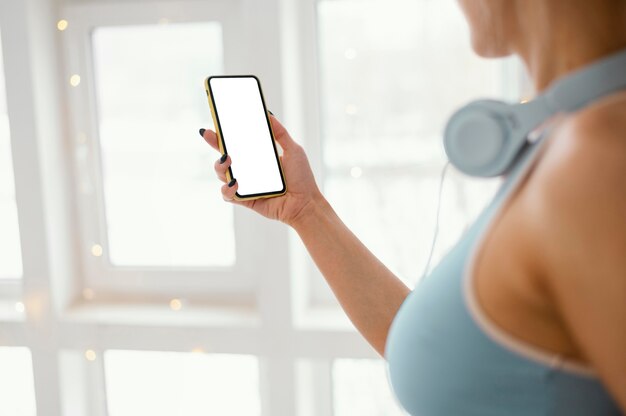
(552, 270)
(368, 292)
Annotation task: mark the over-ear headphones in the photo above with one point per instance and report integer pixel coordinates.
(484, 137)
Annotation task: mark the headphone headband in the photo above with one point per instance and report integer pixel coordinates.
(484, 137)
(585, 85)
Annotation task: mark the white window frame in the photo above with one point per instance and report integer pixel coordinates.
(237, 282)
(10, 288)
(59, 323)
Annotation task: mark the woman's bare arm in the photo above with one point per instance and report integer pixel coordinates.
(368, 292)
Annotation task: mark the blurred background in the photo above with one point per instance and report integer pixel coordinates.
(127, 286)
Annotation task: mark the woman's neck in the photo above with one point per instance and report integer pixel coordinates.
(559, 37)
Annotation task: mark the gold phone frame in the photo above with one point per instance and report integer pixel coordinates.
(222, 145)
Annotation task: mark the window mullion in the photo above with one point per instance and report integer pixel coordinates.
(322, 379)
(82, 382)
(46, 377)
(96, 385)
(278, 395)
(268, 262)
(314, 384)
(29, 65)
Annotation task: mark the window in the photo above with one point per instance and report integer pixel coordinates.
(360, 387)
(159, 211)
(10, 257)
(16, 382)
(386, 91)
(155, 296)
(152, 219)
(189, 384)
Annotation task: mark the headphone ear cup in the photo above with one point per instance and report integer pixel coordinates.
(485, 137)
(478, 138)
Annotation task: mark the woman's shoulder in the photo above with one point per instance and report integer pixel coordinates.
(577, 194)
(578, 231)
(598, 130)
(587, 149)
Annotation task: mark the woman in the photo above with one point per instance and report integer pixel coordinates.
(541, 326)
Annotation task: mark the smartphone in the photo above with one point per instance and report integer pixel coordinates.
(245, 133)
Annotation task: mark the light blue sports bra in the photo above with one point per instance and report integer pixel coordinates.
(446, 358)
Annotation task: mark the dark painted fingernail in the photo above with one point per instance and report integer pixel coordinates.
(202, 132)
(223, 158)
(270, 112)
(232, 183)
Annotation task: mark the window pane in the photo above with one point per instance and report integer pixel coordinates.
(390, 77)
(17, 389)
(360, 387)
(184, 384)
(10, 254)
(162, 202)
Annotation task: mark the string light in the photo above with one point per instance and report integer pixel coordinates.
(96, 250)
(90, 355)
(356, 172)
(75, 80)
(62, 25)
(176, 304)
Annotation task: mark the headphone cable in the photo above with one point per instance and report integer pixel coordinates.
(436, 230)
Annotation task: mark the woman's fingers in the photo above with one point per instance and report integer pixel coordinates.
(229, 190)
(221, 166)
(281, 134)
(210, 137)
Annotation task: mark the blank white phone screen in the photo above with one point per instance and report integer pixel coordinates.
(242, 120)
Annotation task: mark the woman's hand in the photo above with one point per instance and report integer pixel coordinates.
(369, 293)
(302, 191)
